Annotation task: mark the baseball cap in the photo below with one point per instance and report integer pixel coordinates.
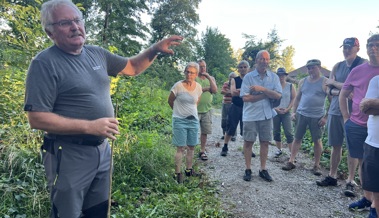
(351, 42)
(281, 71)
(313, 62)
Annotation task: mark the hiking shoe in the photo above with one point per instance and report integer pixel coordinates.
(316, 171)
(350, 190)
(224, 151)
(289, 166)
(191, 172)
(264, 175)
(178, 177)
(278, 153)
(328, 181)
(373, 213)
(360, 205)
(233, 139)
(247, 176)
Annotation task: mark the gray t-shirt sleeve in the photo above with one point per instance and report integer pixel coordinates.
(76, 86)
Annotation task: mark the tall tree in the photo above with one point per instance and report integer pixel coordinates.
(171, 17)
(272, 45)
(287, 55)
(177, 17)
(218, 53)
(116, 23)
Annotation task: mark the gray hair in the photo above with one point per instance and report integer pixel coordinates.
(232, 74)
(259, 54)
(372, 38)
(245, 63)
(48, 9)
(194, 65)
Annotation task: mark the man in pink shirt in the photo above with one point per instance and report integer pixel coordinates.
(356, 121)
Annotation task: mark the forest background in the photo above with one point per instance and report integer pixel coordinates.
(143, 154)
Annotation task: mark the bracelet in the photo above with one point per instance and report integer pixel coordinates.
(330, 91)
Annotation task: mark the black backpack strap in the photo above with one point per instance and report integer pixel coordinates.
(355, 62)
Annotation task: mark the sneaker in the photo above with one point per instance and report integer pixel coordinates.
(278, 153)
(316, 171)
(328, 181)
(247, 176)
(360, 205)
(224, 151)
(233, 139)
(191, 172)
(373, 213)
(350, 190)
(264, 175)
(289, 166)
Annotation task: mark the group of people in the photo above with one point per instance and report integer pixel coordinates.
(68, 96)
(352, 91)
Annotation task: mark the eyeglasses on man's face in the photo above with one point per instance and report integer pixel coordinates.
(241, 67)
(371, 45)
(68, 23)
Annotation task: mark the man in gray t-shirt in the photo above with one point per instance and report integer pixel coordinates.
(309, 113)
(67, 96)
(336, 129)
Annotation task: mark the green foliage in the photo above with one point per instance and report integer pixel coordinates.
(115, 22)
(23, 37)
(11, 100)
(140, 105)
(218, 54)
(161, 75)
(272, 45)
(144, 186)
(22, 183)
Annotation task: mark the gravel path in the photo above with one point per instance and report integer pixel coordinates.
(291, 194)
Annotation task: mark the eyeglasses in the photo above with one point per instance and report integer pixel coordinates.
(371, 45)
(242, 67)
(190, 73)
(68, 23)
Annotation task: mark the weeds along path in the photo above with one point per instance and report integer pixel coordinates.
(291, 194)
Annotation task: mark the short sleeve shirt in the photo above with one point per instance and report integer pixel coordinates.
(260, 110)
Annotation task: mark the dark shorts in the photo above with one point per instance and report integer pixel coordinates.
(336, 130)
(303, 122)
(224, 116)
(285, 121)
(355, 137)
(234, 117)
(370, 168)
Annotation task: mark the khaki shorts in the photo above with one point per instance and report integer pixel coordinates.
(263, 128)
(205, 122)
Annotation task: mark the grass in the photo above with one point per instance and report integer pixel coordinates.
(142, 181)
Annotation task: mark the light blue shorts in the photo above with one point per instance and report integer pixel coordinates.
(185, 132)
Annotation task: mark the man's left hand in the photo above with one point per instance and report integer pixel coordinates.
(165, 44)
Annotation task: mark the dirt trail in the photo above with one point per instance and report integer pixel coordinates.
(291, 194)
